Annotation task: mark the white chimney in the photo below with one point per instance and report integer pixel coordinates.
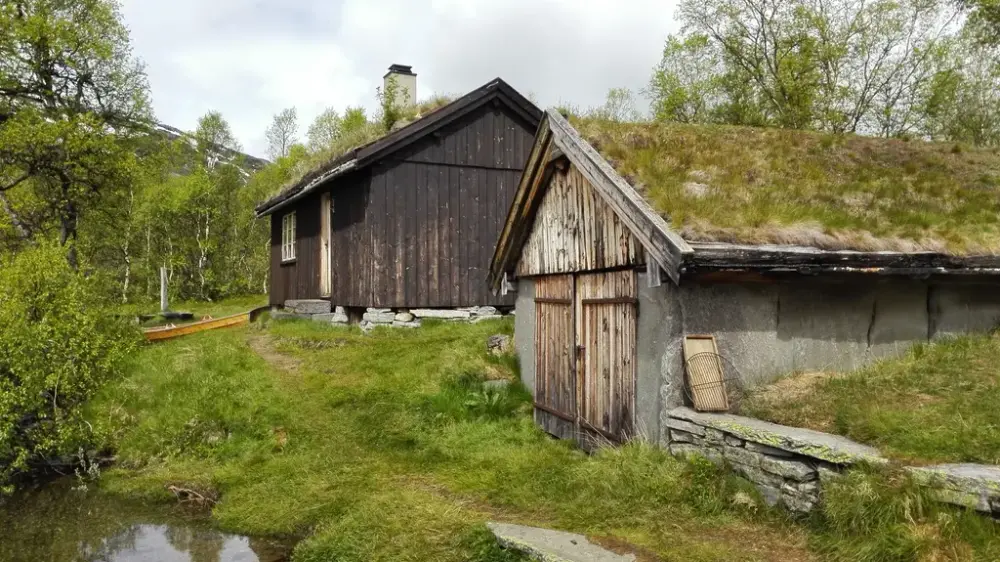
(406, 84)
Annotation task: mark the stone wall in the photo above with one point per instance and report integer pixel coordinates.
(322, 311)
(789, 465)
(786, 464)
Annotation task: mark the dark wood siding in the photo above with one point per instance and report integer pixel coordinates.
(417, 229)
(297, 279)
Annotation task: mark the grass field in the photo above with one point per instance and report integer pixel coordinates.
(935, 404)
(387, 447)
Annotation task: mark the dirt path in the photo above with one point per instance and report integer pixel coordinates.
(263, 346)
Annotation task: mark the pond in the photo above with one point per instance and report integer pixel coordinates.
(60, 521)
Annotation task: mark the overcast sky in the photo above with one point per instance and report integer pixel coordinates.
(251, 58)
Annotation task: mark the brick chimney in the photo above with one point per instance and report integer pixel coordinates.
(406, 82)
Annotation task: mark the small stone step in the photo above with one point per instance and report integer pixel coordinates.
(552, 546)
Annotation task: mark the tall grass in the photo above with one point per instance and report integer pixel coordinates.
(934, 404)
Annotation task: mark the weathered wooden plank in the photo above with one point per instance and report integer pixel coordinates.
(656, 236)
(574, 230)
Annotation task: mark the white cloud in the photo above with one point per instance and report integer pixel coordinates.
(251, 58)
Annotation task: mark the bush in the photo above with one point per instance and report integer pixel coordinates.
(58, 346)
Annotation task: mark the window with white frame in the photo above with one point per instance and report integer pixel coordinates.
(288, 237)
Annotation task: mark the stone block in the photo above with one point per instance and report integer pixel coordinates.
(677, 436)
(796, 470)
(379, 317)
(734, 441)
(330, 317)
(771, 495)
(478, 319)
(827, 473)
(545, 544)
(398, 324)
(758, 476)
(741, 456)
(281, 315)
(308, 306)
(966, 499)
(682, 425)
(969, 485)
(685, 450)
(378, 310)
(485, 311)
(714, 436)
(800, 488)
(446, 314)
(404, 317)
(499, 344)
(798, 503)
(767, 450)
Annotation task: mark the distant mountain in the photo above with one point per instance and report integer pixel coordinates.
(222, 154)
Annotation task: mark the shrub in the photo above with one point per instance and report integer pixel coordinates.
(58, 346)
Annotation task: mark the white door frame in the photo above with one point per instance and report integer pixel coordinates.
(325, 261)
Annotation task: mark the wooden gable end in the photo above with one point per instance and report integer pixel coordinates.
(575, 230)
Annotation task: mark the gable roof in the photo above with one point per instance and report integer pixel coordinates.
(556, 138)
(660, 209)
(362, 156)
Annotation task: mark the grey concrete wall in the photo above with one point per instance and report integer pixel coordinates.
(657, 349)
(766, 330)
(524, 331)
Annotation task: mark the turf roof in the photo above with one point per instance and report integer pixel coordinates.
(777, 186)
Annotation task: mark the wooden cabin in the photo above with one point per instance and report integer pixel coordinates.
(614, 278)
(410, 220)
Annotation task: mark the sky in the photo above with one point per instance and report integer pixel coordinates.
(250, 59)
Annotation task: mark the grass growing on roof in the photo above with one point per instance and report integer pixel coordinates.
(387, 447)
(757, 185)
(935, 404)
(323, 160)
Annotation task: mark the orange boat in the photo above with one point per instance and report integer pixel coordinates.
(170, 332)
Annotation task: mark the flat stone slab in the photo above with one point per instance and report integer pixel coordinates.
(308, 306)
(444, 313)
(553, 546)
(816, 444)
(976, 486)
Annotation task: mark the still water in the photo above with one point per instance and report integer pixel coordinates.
(57, 522)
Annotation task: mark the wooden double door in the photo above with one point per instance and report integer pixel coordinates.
(585, 330)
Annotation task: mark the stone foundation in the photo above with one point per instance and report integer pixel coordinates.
(322, 311)
(789, 465)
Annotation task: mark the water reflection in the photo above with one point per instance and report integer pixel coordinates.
(166, 543)
(58, 522)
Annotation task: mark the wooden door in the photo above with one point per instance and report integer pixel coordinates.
(555, 349)
(605, 331)
(326, 220)
(585, 330)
